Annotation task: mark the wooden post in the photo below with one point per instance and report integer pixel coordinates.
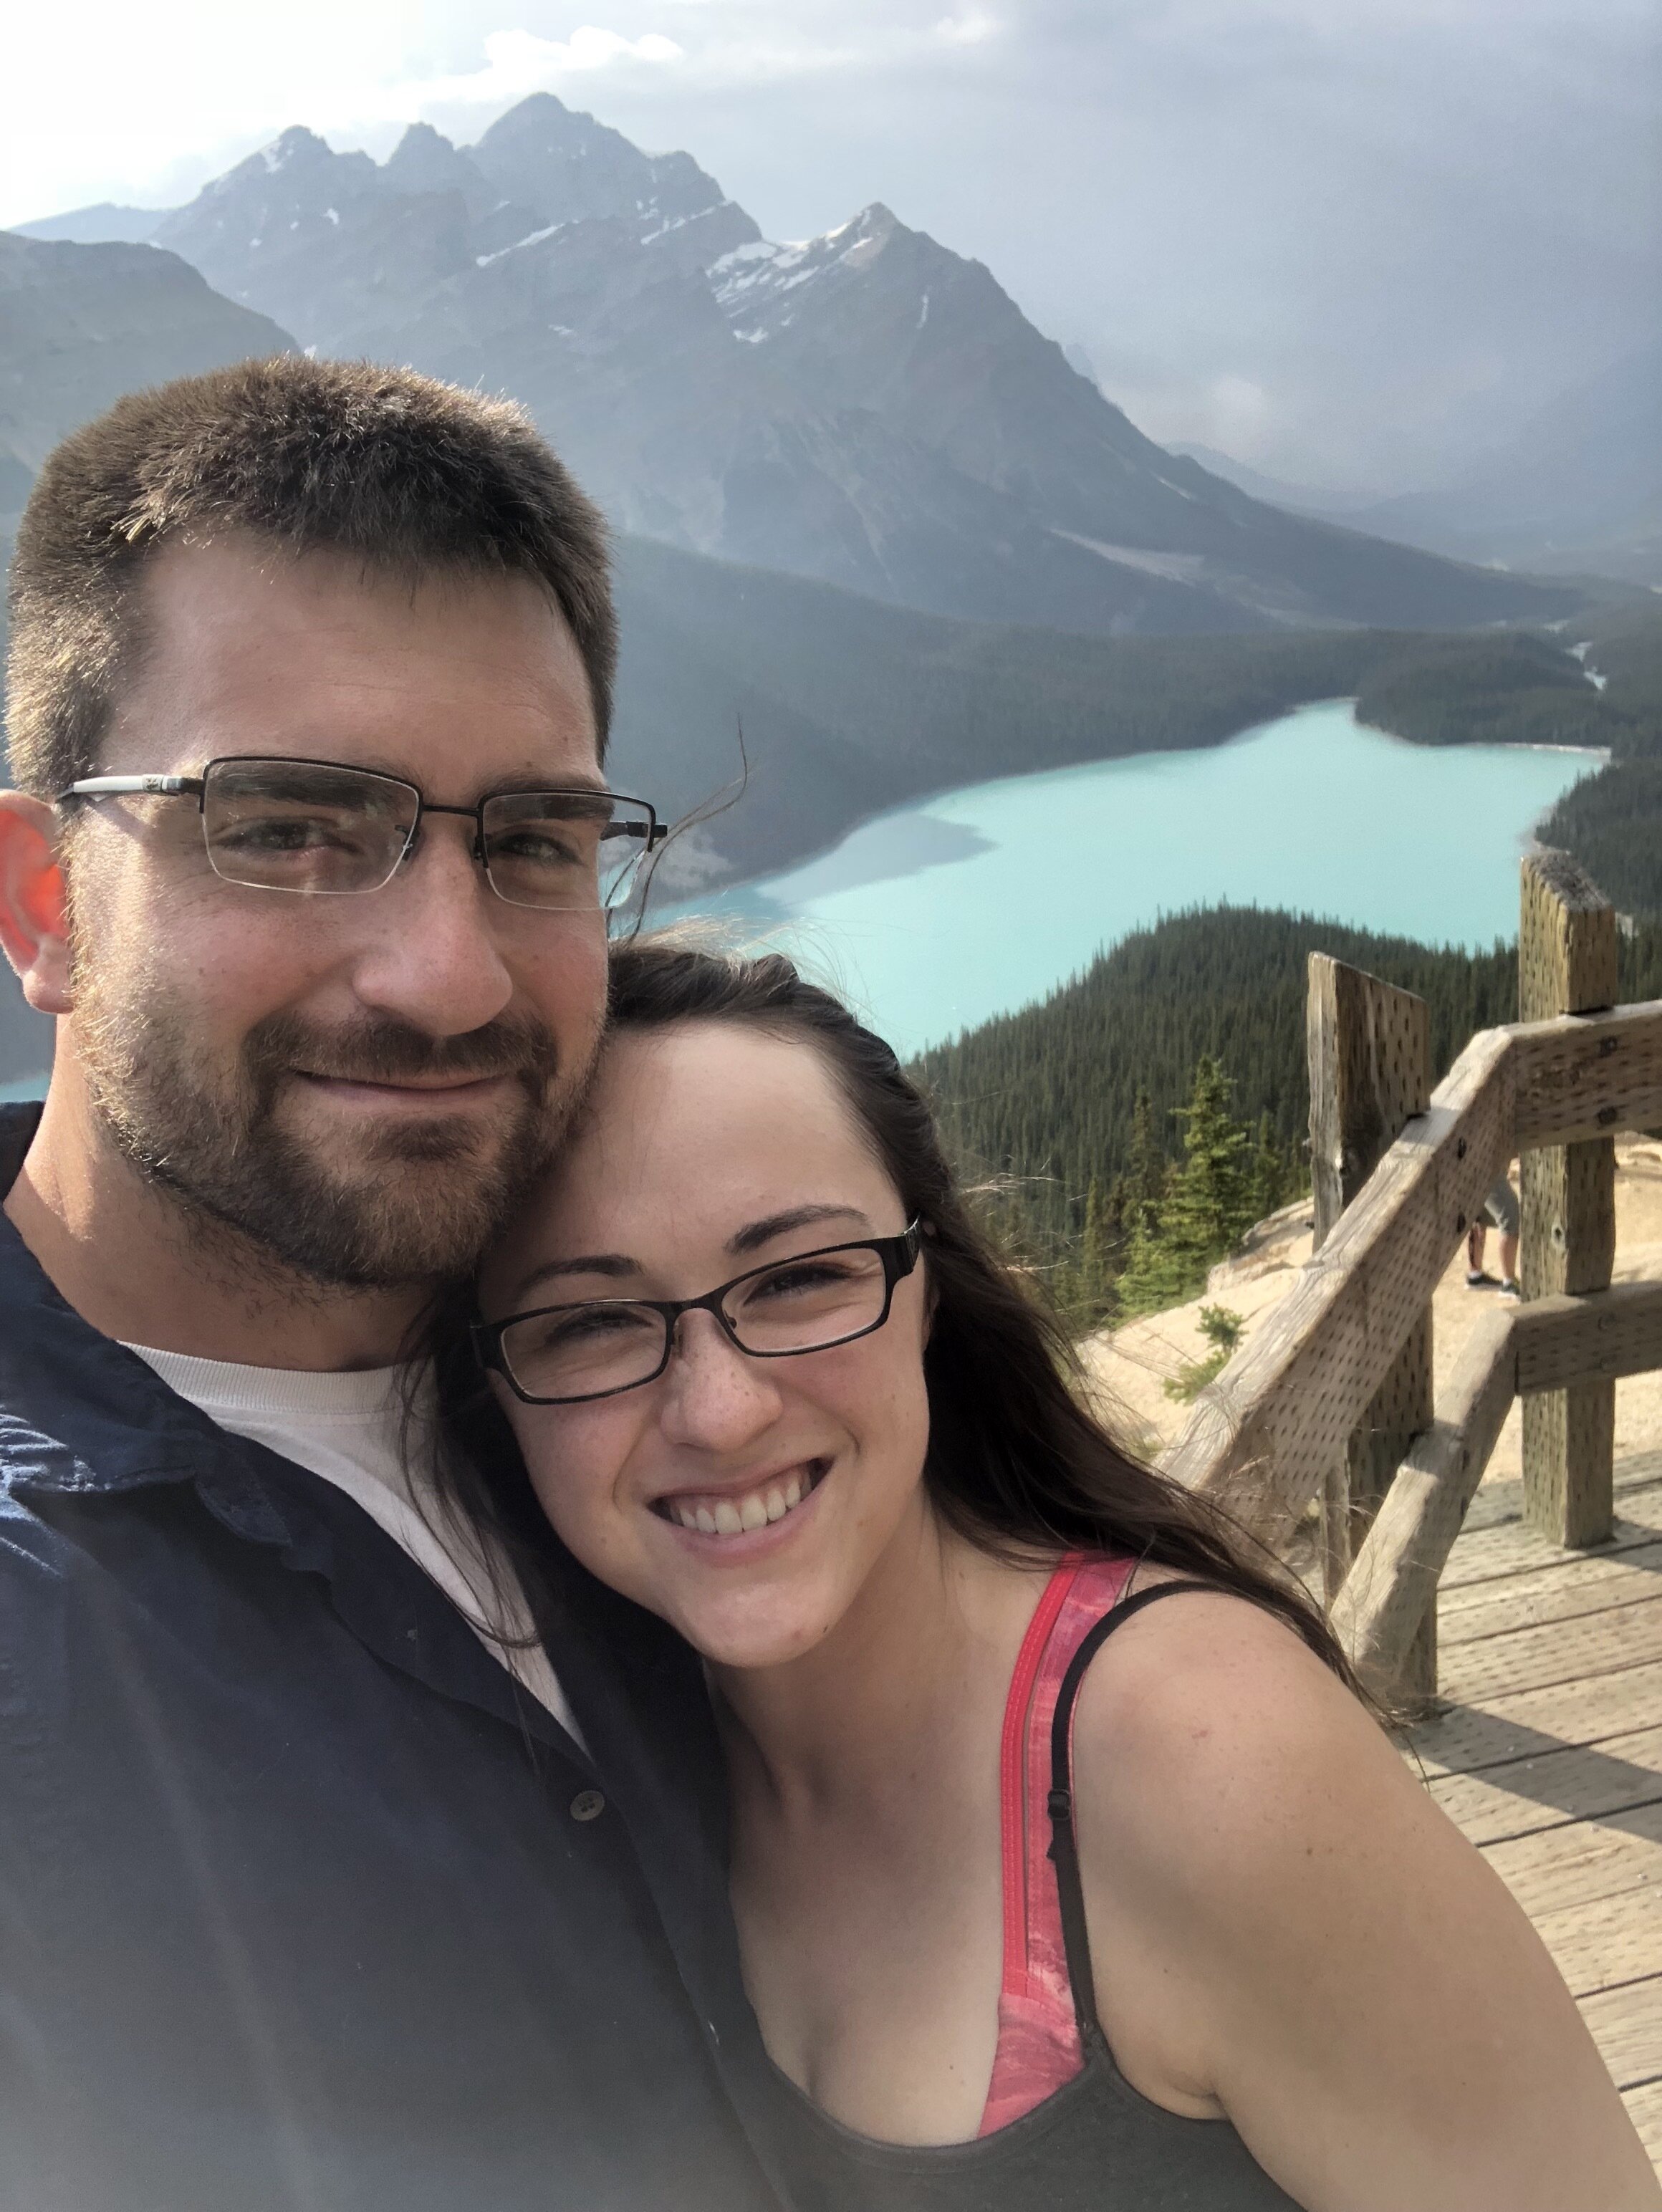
(1370, 1073)
(1566, 964)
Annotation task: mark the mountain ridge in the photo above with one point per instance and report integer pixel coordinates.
(1577, 488)
(867, 408)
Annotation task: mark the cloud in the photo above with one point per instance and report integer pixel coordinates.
(518, 62)
(966, 30)
(1348, 234)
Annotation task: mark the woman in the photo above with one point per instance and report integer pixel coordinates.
(1068, 1867)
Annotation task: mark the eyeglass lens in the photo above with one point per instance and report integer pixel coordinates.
(799, 1305)
(567, 850)
(291, 826)
(307, 827)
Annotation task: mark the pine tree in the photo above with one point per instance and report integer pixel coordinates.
(1207, 1206)
(1093, 1253)
(1212, 1204)
(1101, 1250)
(1269, 1171)
(1147, 1175)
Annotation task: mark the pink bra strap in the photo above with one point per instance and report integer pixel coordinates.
(1013, 1771)
(1039, 2045)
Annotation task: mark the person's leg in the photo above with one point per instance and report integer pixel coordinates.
(1502, 1209)
(1477, 1237)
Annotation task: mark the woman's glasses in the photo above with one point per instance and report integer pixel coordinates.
(563, 1355)
(320, 829)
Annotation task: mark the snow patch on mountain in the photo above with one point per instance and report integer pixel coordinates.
(531, 238)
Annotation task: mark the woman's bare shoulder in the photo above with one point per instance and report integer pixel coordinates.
(1208, 1699)
(1328, 1959)
(1224, 1768)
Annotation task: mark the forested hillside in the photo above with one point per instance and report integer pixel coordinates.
(1509, 688)
(1612, 821)
(849, 706)
(1049, 1097)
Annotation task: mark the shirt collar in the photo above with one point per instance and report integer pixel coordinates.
(80, 1414)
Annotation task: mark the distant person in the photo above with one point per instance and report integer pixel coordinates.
(1070, 1872)
(1499, 1209)
(313, 1897)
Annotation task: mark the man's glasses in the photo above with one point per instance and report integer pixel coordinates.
(564, 1355)
(317, 828)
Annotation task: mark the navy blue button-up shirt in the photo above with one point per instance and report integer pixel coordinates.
(305, 1906)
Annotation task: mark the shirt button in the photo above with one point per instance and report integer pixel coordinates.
(587, 1805)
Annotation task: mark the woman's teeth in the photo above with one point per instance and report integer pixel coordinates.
(737, 1517)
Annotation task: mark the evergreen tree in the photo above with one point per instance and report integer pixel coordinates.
(1269, 1171)
(1093, 1251)
(1147, 1178)
(1212, 1204)
(1102, 1248)
(1207, 1206)
(1155, 1277)
(1035, 1104)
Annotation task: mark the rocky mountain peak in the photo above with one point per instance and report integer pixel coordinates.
(561, 161)
(296, 143)
(425, 160)
(867, 407)
(875, 222)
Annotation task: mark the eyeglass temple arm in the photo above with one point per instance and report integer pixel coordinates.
(109, 787)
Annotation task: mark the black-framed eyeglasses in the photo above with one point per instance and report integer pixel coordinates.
(566, 1355)
(321, 827)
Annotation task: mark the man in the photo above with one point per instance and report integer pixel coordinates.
(323, 1888)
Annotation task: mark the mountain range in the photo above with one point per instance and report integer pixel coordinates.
(867, 408)
(1578, 489)
(81, 324)
(862, 504)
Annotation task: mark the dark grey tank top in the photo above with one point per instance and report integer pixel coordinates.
(1095, 2145)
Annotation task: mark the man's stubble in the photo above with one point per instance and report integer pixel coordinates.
(413, 1204)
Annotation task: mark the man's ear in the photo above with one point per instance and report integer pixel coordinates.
(34, 903)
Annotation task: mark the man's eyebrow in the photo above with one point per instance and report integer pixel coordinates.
(515, 780)
(583, 780)
(755, 1234)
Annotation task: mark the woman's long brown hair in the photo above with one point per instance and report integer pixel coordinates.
(1016, 1464)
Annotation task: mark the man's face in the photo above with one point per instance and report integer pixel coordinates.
(360, 1083)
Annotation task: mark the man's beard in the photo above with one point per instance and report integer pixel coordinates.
(413, 1202)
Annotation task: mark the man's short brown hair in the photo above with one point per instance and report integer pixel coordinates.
(415, 476)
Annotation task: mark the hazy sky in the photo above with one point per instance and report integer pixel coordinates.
(1341, 239)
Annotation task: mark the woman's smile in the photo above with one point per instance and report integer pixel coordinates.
(737, 1519)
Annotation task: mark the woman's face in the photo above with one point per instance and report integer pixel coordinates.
(708, 1149)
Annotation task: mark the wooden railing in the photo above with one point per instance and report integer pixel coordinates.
(1336, 1380)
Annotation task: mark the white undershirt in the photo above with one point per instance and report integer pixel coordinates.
(348, 1428)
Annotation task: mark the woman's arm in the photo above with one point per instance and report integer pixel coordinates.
(1286, 1929)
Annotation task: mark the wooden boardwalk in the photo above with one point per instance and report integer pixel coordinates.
(1547, 1750)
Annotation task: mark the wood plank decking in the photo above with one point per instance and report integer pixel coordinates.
(1547, 1750)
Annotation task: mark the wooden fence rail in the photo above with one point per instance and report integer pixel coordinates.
(1369, 1050)
(1312, 1402)
(1263, 1434)
(1515, 1351)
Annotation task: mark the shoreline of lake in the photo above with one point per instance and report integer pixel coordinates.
(913, 914)
(1597, 756)
(932, 836)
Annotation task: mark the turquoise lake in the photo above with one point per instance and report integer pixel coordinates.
(939, 914)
